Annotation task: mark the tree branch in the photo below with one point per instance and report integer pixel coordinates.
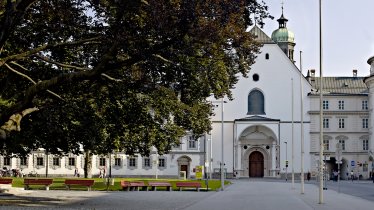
(61, 64)
(44, 47)
(30, 79)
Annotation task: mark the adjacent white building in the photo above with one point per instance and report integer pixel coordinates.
(262, 126)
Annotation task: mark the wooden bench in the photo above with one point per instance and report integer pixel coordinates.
(6, 181)
(133, 185)
(45, 182)
(181, 185)
(79, 182)
(154, 185)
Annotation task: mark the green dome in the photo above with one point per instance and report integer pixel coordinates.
(283, 35)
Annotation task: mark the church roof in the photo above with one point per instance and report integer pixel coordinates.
(340, 85)
(256, 118)
(260, 35)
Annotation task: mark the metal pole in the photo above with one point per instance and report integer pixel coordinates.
(338, 177)
(320, 108)
(222, 154)
(286, 163)
(211, 156)
(292, 140)
(302, 126)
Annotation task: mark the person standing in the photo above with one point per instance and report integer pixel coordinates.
(308, 176)
(352, 175)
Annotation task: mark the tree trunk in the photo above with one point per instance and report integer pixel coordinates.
(87, 164)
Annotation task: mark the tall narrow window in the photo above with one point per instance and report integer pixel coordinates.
(365, 144)
(342, 143)
(341, 105)
(71, 161)
(7, 161)
(326, 145)
(102, 161)
(267, 56)
(40, 161)
(365, 105)
(56, 161)
(365, 123)
(256, 102)
(192, 143)
(23, 161)
(341, 123)
(325, 105)
(117, 161)
(326, 123)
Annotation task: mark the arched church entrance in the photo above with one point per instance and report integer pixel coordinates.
(256, 164)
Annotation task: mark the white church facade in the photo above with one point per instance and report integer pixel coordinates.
(275, 115)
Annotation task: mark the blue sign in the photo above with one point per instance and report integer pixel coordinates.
(353, 163)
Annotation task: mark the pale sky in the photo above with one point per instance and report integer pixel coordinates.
(347, 33)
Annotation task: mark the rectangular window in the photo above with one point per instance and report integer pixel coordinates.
(341, 123)
(56, 161)
(7, 161)
(71, 161)
(365, 105)
(40, 161)
(23, 161)
(365, 144)
(117, 161)
(102, 161)
(161, 162)
(192, 143)
(326, 123)
(326, 145)
(365, 123)
(342, 143)
(341, 105)
(325, 105)
(132, 162)
(147, 162)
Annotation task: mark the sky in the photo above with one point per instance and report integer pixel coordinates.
(347, 33)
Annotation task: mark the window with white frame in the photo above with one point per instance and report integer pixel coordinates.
(325, 105)
(56, 161)
(132, 162)
(102, 161)
(162, 162)
(23, 161)
(192, 143)
(341, 123)
(365, 105)
(326, 123)
(117, 161)
(71, 161)
(341, 105)
(6, 161)
(365, 123)
(40, 161)
(147, 162)
(365, 144)
(342, 144)
(326, 144)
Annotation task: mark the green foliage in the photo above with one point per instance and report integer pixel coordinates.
(119, 75)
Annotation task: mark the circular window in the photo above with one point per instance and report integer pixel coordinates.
(255, 77)
(245, 147)
(267, 147)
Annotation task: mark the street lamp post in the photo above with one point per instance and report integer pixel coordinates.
(286, 161)
(222, 163)
(320, 109)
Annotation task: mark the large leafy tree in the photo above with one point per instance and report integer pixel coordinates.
(117, 75)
